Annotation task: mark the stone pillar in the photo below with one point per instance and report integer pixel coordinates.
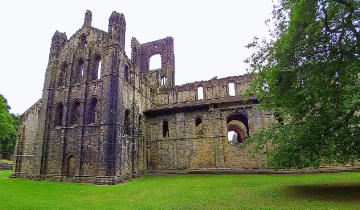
(218, 133)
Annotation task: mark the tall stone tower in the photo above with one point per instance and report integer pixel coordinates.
(83, 129)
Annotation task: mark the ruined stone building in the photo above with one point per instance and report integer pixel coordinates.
(104, 117)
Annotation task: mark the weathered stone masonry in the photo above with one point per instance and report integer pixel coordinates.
(104, 117)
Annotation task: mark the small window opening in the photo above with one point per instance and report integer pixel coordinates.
(198, 121)
(165, 128)
(155, 62)
(92, 111)
(82, 70)
(200, 93)
(59, 114)
(97, 69)
(126, 122)
(163, 80)
(231, 87)
(75, 117)
(126, 73)
(199, 127)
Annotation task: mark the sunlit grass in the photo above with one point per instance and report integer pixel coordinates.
(6, 161)
(324, 191)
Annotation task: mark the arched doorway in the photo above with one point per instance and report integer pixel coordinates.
(71, 164)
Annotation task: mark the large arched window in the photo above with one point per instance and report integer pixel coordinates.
(62, 73)
(165, 128)
(155, 62)
(92, 111)
(78, 72)
(96, 73)
(75, 113)
(237, 128)
(59, 110)
(200, 93)
(127, 122)
(163, 81)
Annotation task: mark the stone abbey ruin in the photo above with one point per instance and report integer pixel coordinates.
(104, 117)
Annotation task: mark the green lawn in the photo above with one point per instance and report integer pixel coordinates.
(6, 161)
(325, 191)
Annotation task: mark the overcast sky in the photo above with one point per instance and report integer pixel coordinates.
(209, 36)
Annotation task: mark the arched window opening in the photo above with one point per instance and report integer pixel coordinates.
(199, 130)
(59, 110)
(165, 129)
(99, 70)
(75, 116)
(126, 73)
(231, 88)
(92, 112)
(83, 41)
(198, 121)
(79, 72)
(155, 62)
(96, 74)
(127, 122)
(200, 93)
(62, 73)
(71, 167)
(163, 80)
(82, 70)
(237, 128)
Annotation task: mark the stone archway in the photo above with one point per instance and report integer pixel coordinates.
(237, 128)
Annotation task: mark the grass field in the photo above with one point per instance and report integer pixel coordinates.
(317, 191)
(6, 161)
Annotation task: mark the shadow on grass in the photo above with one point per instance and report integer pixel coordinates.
(349, 192)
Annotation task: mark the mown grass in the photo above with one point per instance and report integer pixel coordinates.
(317, 191)
(6, 161)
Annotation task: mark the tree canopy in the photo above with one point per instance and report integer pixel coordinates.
(308, 75)
(8, 127)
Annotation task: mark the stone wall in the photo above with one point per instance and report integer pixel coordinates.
(5, 166)
(101, 116)
(186, 148)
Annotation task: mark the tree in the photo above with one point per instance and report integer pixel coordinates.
(8, 127)
(308, 75)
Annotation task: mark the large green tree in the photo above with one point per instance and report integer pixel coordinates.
(8, 127)
(308, 75)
